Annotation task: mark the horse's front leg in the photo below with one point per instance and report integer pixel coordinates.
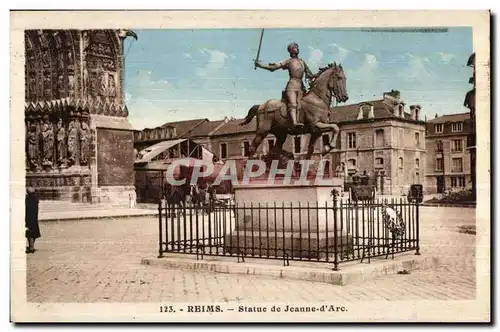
(334, 129)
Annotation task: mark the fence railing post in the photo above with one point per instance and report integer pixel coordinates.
(335, 230)
(160, 231)
(418, 227)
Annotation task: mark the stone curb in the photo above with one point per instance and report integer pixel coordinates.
(47, 219)
(469, 205)
(320, 272)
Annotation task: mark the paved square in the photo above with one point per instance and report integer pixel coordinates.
(99, 261)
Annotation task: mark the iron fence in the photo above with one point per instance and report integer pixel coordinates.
(332, 232)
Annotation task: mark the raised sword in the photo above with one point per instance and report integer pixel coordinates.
(258, 51)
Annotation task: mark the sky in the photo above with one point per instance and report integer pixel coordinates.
(174, 74)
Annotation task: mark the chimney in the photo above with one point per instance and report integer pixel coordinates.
(417, 113)
(360, 113)
(412, 112)
(400, 110)
(371, 115)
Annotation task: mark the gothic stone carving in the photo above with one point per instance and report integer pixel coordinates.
(84, 143)
(48, 143)
(32, 146)
(72, 142)
(61, 147)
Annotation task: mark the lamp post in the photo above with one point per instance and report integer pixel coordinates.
(470, 103)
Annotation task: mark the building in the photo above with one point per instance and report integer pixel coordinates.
(379, 137)
(79, 143)
(448, 161)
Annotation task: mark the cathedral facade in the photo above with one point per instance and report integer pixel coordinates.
(79, 143)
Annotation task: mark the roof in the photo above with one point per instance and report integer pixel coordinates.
(350, 112)
(450, 118)
(154, 150)
(205, 128)
(233, 127)
(184, 127)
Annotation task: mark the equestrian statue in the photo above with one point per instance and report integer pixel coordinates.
(299, 111)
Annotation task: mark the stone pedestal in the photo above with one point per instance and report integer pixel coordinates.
(293, 217)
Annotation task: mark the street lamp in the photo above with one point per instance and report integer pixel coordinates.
(470, 103)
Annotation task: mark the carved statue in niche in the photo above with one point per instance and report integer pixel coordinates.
(60, 147)
(48, 143)
(71, 85)
(60, 61)
(93, 84)
(46, 59)
(84, 143)
(43, 38)
(70, 60)
(112, 86)
(32, 146)
(104, 86)
(86, 40)
(60, 86)
(72, 141)
(47, 85)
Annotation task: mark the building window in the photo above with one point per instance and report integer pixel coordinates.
(297, 146)
(417, 139)
(246, 149)
(379, 137)
(379, 161)
(351, 163)
(325, 138)
(456, 145)
(400, 162)
(456, 127)
(438, 128)
(439, 145)
(351, 140)
(417, 163)
(223, 151)
(457, 181)
(439, 164)
(270, 144)
(456, 165)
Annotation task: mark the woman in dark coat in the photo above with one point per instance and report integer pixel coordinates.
(31, 220)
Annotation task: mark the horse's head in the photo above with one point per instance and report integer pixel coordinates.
(332, 78)
(337, 84)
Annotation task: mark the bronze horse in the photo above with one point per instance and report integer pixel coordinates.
(314, 112)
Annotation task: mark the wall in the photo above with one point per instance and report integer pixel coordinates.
(115, 157)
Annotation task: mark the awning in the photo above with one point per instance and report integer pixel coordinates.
(152, 151)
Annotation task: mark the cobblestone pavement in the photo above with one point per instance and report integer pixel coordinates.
(99, 261)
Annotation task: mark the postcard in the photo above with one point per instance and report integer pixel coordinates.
(250, 166)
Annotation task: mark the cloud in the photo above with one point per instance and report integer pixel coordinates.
(340, 52)
(315, 58)
(416, 69)
(367, 67)
(446, 57)
(187, 55)
(216, 61)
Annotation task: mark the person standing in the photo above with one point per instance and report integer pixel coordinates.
(31, 220)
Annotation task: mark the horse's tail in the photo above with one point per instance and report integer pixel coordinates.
(251, 113)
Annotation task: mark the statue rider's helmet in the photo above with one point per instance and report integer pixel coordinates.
(293, 48)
